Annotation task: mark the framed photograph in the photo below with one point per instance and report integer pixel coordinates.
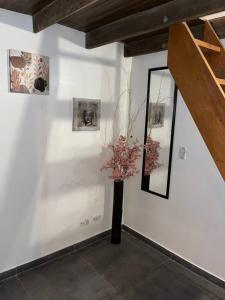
(28, 73)
(86, 114)
(156, 115)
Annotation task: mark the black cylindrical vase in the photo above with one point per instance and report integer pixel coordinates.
(117, 212)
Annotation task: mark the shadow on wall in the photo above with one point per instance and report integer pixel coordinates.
(8, 18)
(73, 175)
(17, 214)
(28, 174)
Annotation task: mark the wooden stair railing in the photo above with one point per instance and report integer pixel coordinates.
(198, 67)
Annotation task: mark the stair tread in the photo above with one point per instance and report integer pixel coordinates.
(207, 46)
(221, 81)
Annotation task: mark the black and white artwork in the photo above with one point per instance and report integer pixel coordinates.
(86, 114)
(156, 115)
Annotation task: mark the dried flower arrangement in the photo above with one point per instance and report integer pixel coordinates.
(151, 156)
(126, 152)
(152, 146)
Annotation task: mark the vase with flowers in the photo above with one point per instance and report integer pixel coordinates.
(126, 150)
(122, 164)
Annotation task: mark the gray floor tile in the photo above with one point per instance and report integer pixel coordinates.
(124, 263)
(132, 270)
(115, 297)
(173, 282)
(197, 281)
(66, 279)
(12, 290)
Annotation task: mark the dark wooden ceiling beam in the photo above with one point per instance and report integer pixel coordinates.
(159, 42)
(147, 45)
(219, 26)
(107, 11)
(24, 6)
(58, 10)
(151, 20)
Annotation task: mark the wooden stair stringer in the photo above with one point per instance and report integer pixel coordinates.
(217, 61)
(200, 89)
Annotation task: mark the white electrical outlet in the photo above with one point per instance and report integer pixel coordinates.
(84, 222)
(97, 218)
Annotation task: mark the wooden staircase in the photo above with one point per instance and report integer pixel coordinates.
(198, 67)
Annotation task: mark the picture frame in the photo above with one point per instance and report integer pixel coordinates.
(86, 114)
(156, 115)
(28, 73)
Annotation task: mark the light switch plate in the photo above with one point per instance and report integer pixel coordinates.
(183, 153)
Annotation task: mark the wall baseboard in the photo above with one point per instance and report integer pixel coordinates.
(58, 254)
(177, 258)
(53, 256)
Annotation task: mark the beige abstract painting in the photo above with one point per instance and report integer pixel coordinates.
(29, 73)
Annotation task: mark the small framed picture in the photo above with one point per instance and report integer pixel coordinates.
(156, 115)
(86, 114)
(28, 72)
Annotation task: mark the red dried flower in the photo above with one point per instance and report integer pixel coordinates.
(123, 161)
(151, 156)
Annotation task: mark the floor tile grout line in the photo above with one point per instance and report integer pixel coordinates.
(135, 281)
(132, 281)
(146, 244)
(166, 260)
(170, 258)
(202, 288)
(96, 271)
(3, 281)
(18, 274)
(74, 248)
(199, 286)
(78, 248)
(167, 257)
(176, 258)
(24, 289)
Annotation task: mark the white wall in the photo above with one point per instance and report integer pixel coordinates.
(192, 222)
(49, 175)
(49, 178)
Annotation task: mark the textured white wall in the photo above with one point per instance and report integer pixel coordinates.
(192, 222)
(49, 175)
(49, 179)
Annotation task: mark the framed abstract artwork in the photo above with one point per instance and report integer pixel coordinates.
(29, 73)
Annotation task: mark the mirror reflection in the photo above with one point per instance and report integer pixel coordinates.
(160, 120)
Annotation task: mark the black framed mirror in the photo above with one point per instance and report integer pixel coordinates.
(159, 129)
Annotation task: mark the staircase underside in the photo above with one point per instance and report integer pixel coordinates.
(198, 68)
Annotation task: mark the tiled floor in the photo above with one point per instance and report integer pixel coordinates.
(132, 270)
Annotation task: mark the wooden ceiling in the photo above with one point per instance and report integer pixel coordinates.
(107, 11)
(24, 6)
(141, 24)
(96, 15)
